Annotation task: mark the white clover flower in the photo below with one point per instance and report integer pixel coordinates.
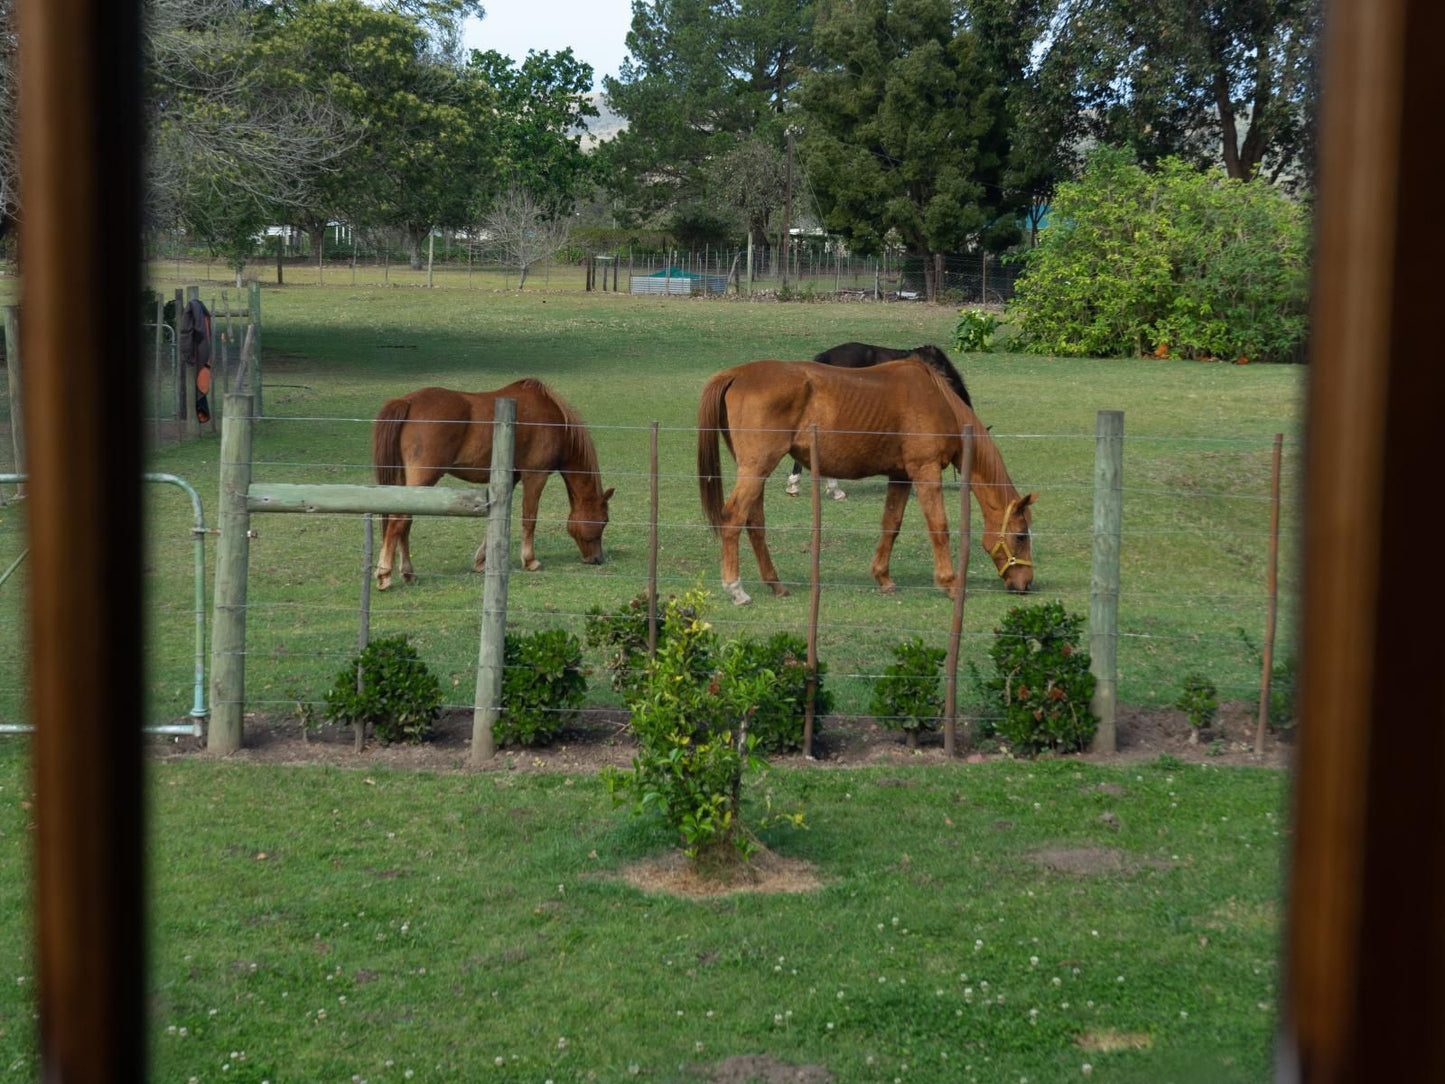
(1033, 961)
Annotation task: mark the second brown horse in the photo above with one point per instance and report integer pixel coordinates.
(898, 419)
(432, 432)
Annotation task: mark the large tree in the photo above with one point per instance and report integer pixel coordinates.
(700, 75)
(905, 129)
(541, 115)
(1225, 82)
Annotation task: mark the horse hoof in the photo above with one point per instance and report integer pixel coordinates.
(533, 565)
(791, 491)
(839, 495)
(889, 588)
(383, 583)
(409, 577)
(779, 591)
(736, 593)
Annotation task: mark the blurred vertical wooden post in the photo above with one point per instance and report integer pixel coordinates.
(253, 306)
(189, 372)
(79, 140)
(960, 590)
(1104, 577)
(491, 651)
(1272, 588)
(157, 390)
(1365, 970)
(652, 543)
(363, 630)
(17, 393)
(815, 591)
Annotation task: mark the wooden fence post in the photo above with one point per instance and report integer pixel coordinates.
(253, 304)
(1104, 578)
(156, 394)
(363, 631)
(228, 628)
(494, 590)
(815, 591)
(652, 554)
(17, 389)
(1272, 587)
(960, 589)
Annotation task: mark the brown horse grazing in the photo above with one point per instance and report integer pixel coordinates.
(894, 419)
(435, 431)
(862, 356)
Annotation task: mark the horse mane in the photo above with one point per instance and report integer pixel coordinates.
(938, 361)
(577, 442)
(986, 458)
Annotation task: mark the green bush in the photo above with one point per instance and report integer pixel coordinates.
(1200, 702)
(542, 683)
(907, 697)
(398, 695)
(1041, 683)
(622, 638)
(1175, 262)
(1282, 680)
(777, 721)
(691, 718)
(974, 331)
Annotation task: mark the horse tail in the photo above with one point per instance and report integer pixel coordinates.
(386, 445)
(712, 423)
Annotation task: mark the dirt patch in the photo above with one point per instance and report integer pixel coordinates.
(602, 739)
(1109, 1041)
(762, 1069)
(1088, 861)
(765, 873)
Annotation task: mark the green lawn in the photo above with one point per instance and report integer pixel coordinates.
(314, 924)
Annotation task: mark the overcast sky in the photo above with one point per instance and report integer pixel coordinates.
(595, 29)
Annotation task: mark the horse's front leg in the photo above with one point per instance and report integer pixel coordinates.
(532, 483)
(929, 483)
(894, 502)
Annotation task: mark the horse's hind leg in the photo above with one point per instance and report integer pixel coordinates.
(894, 502)
(737, 513)
(394, 538)
(758, 538)
(403, 542)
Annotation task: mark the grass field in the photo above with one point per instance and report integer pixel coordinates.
(1196, 481)
(377, 925)
(315, 924)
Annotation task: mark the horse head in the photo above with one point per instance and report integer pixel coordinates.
(587, 521)
(1011, 544)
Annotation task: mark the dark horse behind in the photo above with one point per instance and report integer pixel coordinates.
(864, 356)
(432, 432)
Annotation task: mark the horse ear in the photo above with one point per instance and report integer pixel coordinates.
(1024, 502)
(607, 496)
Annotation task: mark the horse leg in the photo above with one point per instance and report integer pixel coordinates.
(736, 513)
(759, 542)
(894, 502)
(794, 476)
(929, 483)
(389, 529)
(403, 538)
(532, 483)
(835, 489)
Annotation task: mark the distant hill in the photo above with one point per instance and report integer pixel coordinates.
(602, 127)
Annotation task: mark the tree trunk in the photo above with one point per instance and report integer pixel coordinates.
(413, 244)
(930, 279)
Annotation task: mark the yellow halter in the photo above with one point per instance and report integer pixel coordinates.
(1002, 543)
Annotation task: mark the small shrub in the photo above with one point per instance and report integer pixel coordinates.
(1282, 680)
(1041, 680)
(907, 697)
(398, 695)
(1200, 702)
(542, 683)
(974, 331)
(777, 722)
(622, 638)
(691, 719)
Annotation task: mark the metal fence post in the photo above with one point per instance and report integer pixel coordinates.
(492, 649)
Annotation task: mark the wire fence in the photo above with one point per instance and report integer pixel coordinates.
(1193, 595)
